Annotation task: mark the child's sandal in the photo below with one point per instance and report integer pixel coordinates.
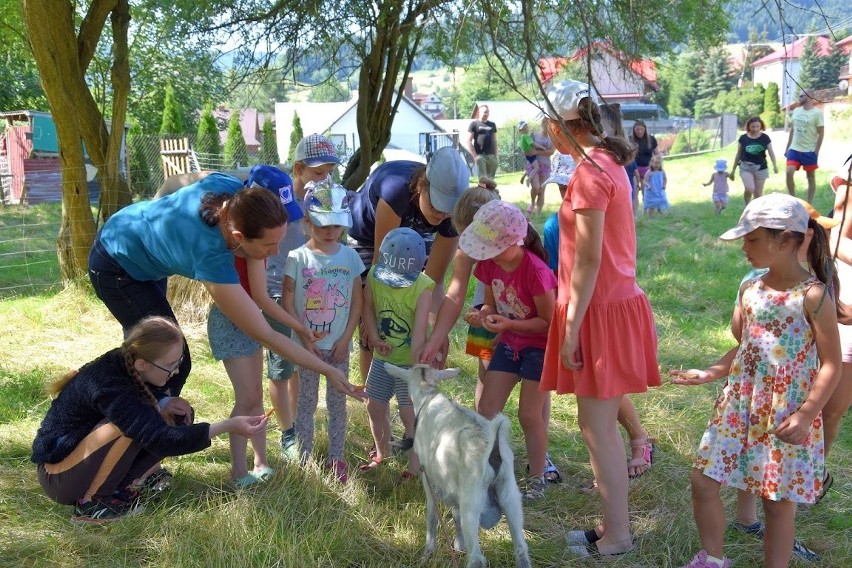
(370, 465)
(640, 466)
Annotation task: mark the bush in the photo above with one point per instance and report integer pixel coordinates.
(665, 142)
(691, 140)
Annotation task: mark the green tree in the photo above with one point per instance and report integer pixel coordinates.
(235, 153)
(207, 142)
(715, 78)
(268, 152)
(679, 79)
(809, 70)
(296, 134)
(172, 115)
(329, 92)
(19, 84)
(771, 114)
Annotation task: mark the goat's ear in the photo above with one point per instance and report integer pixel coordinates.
(445, 374)
(395, 371)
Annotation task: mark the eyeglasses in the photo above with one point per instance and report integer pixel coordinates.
(171, 372)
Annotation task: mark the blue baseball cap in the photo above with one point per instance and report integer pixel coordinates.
(402, 257)
(275, 180)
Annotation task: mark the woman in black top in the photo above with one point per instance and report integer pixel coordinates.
(105, 429)
(646, 148)
(752, 148)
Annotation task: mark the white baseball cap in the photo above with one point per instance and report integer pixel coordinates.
(774, 211)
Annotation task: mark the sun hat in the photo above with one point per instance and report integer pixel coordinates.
(559, 178)
(824, 222)
(402, 256)
(565, 98)
(316, 150)
(773, 211)
(273, 179)
(721, 165)
(448, 177)
(327, 203)
(522, 124)
(495, 227)
(564, 170)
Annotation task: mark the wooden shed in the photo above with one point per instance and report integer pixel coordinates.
(30, 169)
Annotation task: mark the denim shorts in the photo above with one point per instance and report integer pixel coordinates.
(227, 341)
(526, 363)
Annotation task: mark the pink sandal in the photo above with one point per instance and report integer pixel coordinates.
(641, 465)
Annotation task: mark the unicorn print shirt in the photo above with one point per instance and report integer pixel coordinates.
(323, 295)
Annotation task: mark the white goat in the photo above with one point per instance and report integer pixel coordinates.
(466, 462)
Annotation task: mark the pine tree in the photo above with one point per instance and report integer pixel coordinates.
(235, 153)
(771, 114)
(828, 67)
(715, 79)
(268, 153)
(295, 135)
(207, 143)
(809, 74)
(172, 115)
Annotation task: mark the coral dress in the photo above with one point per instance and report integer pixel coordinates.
(618, 340)
(770, 379)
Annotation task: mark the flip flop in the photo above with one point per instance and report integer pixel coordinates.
(264, 473)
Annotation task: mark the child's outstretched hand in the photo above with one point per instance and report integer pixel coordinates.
(732, 177)
(496, 323)
(473, 317)
(382, 347)
(339, 351)
(794, 429)
(690, 377)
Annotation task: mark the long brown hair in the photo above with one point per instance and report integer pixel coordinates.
(471, 200)
(250, 211)
(534, 244)
(148, 340)
(590, 121)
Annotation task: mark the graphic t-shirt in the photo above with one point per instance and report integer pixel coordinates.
(395, 309)
(484, 139)
(323, 295)
(754, 149)
(514, 294)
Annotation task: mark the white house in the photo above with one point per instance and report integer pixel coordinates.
(783, 68)
(338, 122)
(845, 74)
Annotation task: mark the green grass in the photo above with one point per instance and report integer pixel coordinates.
(302, 518)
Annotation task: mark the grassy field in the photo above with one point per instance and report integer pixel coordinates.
(303, 518)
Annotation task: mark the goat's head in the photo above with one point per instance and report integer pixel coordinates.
(420, 377)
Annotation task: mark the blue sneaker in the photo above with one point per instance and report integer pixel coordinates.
(757, 529)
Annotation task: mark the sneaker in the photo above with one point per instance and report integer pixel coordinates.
(104, 509)
(156, 483)
(338, 467)
(290, 448)
(535, 488)
(700, 561)
(757, 529)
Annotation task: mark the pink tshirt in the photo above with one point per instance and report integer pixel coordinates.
(514, 294)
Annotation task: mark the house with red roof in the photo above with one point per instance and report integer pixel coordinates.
(783, 68)
(251, 123)
(617, 77)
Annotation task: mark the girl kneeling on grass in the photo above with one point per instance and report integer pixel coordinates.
(766, 433)
(322, 289)
(396, 316)
(105, 428)
(519, 299)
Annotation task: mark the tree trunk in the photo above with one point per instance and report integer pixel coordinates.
(62, 57)
(50, 27)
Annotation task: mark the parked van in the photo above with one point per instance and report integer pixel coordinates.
(654, 116)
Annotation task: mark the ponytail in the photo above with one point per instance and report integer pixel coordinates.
(533, 243)
(820, 261)
(590, 120)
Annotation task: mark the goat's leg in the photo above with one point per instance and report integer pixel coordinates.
(510, 502)
(471, 509)
(431, 519)
(458, 542)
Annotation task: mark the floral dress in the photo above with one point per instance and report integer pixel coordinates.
(773, 372)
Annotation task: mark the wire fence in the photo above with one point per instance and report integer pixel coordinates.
(28, 232)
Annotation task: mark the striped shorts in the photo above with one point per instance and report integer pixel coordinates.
(381, 386)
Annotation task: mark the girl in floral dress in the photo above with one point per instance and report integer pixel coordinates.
(765, 435)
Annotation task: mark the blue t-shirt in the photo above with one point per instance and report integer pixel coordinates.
(163, 237)
(391, 182)
(551, 241)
